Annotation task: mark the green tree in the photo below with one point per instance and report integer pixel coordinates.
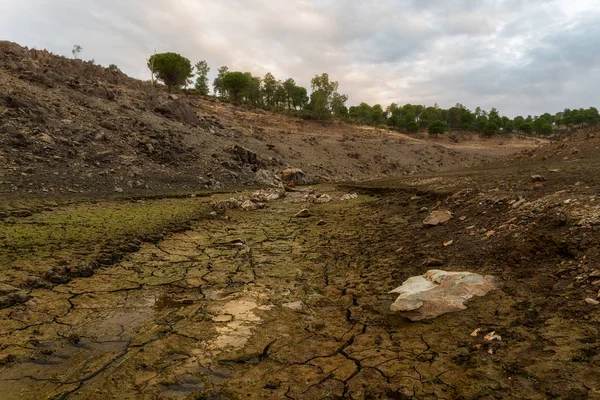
(412, 127)
(202, 70)
(171, 68)
(546, 129)
(113, 67)
(494, 116)
(527, 128)
(377, 115)
(269, 89)
(490, 129)
(236, 84)
(437, 127)
(338, 105)
(319, 105)
(300, 97)
(218, 86)
(289, 85)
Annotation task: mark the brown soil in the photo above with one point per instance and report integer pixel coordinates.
(262, 305)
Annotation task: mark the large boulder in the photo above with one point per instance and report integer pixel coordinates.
(245, 156)
(439, 292)
(180, 111)
(294, 176)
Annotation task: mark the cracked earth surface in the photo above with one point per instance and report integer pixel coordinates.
(263, 305)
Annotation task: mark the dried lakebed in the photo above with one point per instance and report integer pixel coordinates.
(263, 305)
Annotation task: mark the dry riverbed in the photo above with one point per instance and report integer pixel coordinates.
(261, 304)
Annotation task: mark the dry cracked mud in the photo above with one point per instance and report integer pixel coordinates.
(263, 305)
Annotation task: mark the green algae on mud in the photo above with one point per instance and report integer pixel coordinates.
(88, 233)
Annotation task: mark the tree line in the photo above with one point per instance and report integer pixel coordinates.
(325, 102)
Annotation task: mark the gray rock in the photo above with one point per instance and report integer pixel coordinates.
(439, 292)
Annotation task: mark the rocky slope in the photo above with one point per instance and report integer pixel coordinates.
(69, 126)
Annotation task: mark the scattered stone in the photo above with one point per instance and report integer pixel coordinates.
(476, 332)
(321, 223)
(437, 217)
(463, 218)
(249, 205)
(322, 199)
(448, 243)
(492, 336)
(224, 205)
(518, 203)
(592, 302)
(118, 189)
(296, 305)
(490, 233)
(439, 292)
(222, 318)
(538, 178)
(349, 196)
(304, 213)
(554, 170)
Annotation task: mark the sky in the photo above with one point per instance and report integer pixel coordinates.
(520, 56)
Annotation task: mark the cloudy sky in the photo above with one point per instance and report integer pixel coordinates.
(521, 56)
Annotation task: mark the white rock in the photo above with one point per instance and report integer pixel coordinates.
(349, 196)
(439, 292)
(296, 305)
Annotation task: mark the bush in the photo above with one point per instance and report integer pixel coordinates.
(438, 127)
(490, 129)
(412, 127)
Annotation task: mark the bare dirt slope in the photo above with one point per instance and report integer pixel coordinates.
(68, 126)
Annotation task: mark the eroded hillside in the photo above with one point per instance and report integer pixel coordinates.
(69, 126)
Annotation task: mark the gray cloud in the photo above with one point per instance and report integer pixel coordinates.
(523, 57)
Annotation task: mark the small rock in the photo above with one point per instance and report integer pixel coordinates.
(304, 213)
(476, 332)
(223, 318)
(538, 178)
(118, 190)
(437, 217)
(592, 302)
(321, 223)
(448, 243)
(249, 205)
(492, 336)
(463, 218)
(349, 196)
(296, 305)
